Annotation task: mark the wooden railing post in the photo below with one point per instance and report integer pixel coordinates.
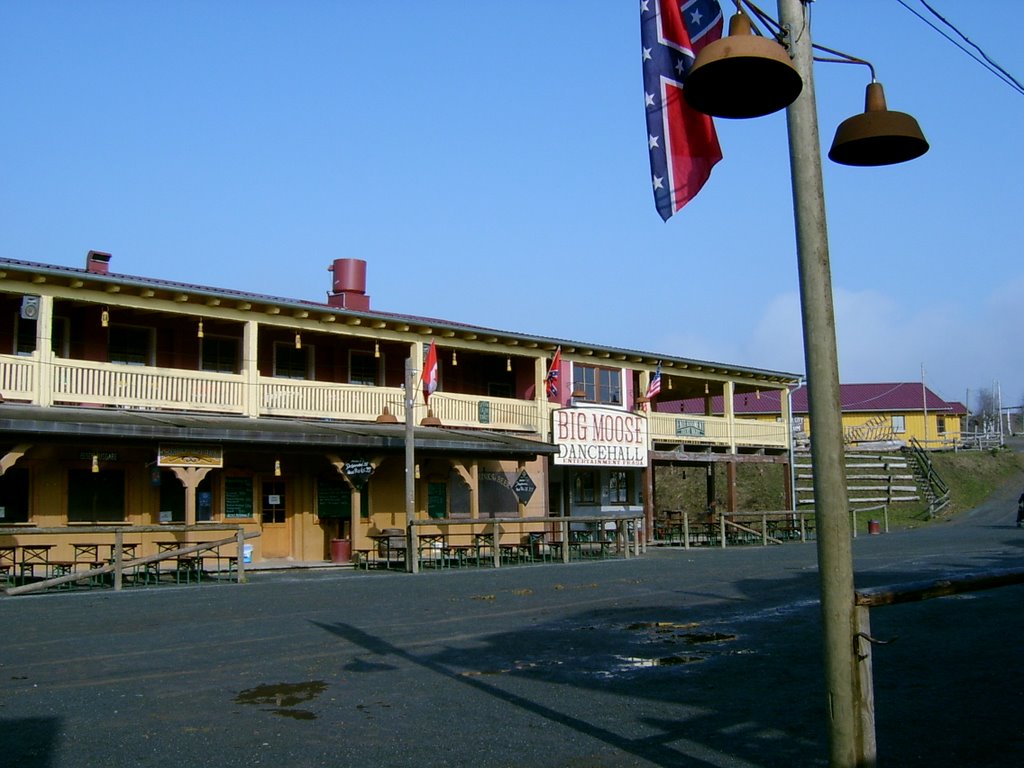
(118, 558)
(240, 567)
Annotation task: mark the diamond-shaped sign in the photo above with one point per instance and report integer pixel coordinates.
(524, 487)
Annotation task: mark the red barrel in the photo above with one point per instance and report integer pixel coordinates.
(341, 550)
(874, 527)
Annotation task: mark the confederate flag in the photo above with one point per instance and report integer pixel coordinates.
(682, 142)
(430, 372)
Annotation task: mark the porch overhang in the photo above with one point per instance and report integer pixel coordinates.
(20, 423)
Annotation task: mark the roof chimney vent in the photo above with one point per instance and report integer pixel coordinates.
(97, 262)
(349, 285)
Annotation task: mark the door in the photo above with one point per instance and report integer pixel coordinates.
(276, 539)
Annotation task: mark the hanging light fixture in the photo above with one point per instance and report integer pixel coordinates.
(105, 317)
(877, 136)
(95, 463)
(199, 332)
(742, 75)
(508, 364)
(298, 341)
(455, 358)
(277, 467)
(376, 349)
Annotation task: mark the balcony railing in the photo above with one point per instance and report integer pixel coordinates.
(81, 382)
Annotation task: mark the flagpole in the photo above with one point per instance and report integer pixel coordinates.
(411, 563)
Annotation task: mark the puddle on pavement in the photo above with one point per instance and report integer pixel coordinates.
(636, 662)
(283, 697)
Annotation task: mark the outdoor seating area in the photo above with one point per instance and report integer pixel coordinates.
(498, 543)
(690, 529)
(87, 562)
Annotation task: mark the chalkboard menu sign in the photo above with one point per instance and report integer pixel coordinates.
(237, 496)
(437, 500)
(358, 471)
(333, 498)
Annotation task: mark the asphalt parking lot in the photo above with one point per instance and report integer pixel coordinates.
(678, 658)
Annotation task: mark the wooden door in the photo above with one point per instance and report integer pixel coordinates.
(276, 539)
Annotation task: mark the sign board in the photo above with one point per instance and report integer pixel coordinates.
(333, 498)
(176, 455)
(237, 496)
(599, 437)
(358, 471)
(524, 487)
(689, 428)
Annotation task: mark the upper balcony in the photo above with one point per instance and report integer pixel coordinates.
(98, 340)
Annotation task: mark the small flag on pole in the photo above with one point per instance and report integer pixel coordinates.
(553, 373)
(655, 386)
(430, 372)
(682, 142)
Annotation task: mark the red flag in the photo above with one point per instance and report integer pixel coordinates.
(553, 373)
(682, 142)
(430, 372)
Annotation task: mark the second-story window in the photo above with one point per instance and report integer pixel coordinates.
(219, 354)
(130, 345)
(362, 368)
(292, 363)
(597, 385)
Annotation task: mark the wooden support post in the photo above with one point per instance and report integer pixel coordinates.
(118, 558)
(496, 538)
(865, 689)
(240, 559)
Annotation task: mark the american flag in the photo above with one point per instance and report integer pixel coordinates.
(553, 373)
(655, 386)
(682, 142)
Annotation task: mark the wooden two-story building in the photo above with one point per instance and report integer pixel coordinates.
(134, 400)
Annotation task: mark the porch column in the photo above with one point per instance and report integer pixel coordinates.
(190, 477)
(250, 368)
(540, 397)
(44, 352)
(729, 412)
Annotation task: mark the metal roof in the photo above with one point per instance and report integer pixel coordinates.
(426, 324)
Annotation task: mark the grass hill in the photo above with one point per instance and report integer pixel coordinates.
(970, 475)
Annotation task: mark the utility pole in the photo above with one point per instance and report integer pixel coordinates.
(851, 729)
(411, 564)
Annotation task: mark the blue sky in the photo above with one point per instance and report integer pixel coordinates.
(489, 162)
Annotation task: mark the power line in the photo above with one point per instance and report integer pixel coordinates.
(984, 58)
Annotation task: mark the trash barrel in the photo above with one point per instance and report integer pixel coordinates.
(874, 527)
(341, 550)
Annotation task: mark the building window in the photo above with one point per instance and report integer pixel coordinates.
(584, 487)
(899, 424)
(292, 363)
(940, 424)
(95, 497)
(14, 496)
(130, 345)
(273, 508)
(219, 354)
(618, 487)
(362, 368)
(597, 385)
(25, 336)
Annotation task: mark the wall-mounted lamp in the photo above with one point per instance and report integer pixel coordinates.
(298, 341)
(277, 467)
(508, 364)
(199, 332)
(105, 317)
(417, 475)
(706, 390)
(95, 463)
(376, 349)
(455, 358)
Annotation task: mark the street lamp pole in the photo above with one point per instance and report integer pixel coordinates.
(851, 734)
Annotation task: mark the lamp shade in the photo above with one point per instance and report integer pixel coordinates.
(742, 75)
(877, 136)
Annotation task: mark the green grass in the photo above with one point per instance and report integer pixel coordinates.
(971, 476)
